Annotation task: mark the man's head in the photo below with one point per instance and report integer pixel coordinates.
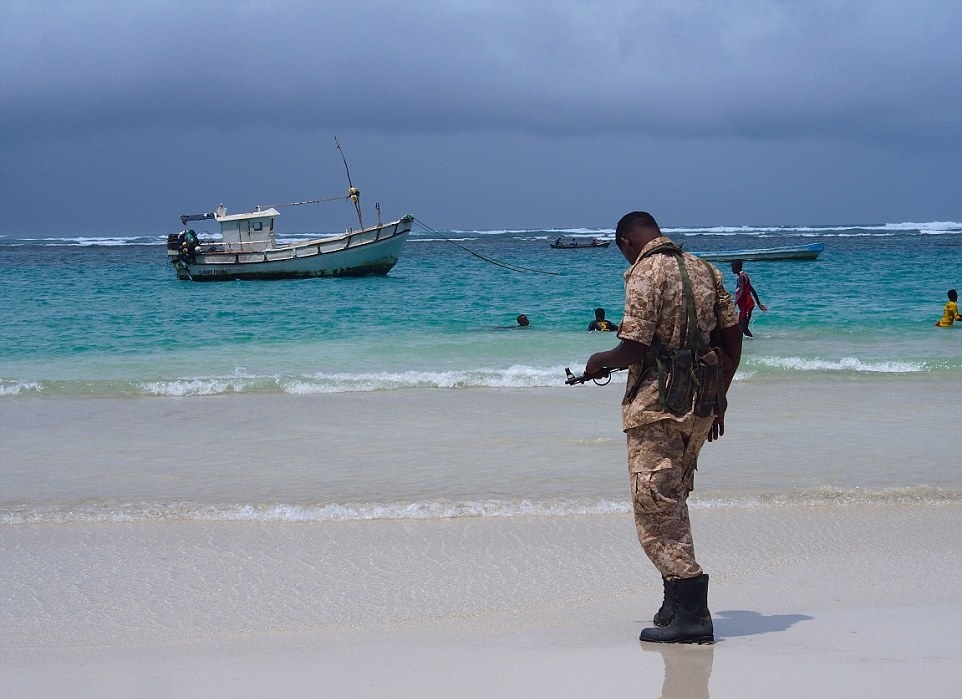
(633, 232)
(736, 266)
(599, 314)
(523, 320)
(953, 296)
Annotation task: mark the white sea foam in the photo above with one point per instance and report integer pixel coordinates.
(942, 226)
(876, 230)
(331, 512)
(843, 364)
(939, 231)
(90, 241)
(18, 388)
(424, 239)
(722, 230)
(105, 242)
(192, 387)
(831, 496)
(924, 228)
(443, 509)
(516, 376)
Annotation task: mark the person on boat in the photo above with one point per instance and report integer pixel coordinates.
(599, 323)
(557, 240)
(745, 298)
(950, 313)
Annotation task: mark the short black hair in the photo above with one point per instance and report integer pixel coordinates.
(600, 313)
(635, 221)
(953, 295)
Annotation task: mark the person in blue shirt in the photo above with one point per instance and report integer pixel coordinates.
(599, 323)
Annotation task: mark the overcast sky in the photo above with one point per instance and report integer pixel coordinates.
(118, 116)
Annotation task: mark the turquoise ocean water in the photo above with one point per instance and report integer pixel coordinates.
(86, 319)
(107, 317)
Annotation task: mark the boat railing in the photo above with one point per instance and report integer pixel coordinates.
(371, 235)
(246, 252)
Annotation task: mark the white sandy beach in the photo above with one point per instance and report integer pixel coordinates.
(857, 602)
(828, 601)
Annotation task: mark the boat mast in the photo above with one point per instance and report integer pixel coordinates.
(353, 193)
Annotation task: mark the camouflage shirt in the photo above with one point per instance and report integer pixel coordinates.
(656, 312)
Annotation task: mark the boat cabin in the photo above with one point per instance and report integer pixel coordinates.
(250, 232)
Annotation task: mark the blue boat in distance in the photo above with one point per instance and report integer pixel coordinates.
(789, 252)
(573, 244)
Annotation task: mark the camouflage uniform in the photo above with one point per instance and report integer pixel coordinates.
(662, 447)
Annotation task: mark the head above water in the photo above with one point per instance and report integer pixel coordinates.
(523, 320)
(736, 266)
(599, 314)
(953, 295)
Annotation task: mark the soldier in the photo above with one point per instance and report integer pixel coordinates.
(663, 444)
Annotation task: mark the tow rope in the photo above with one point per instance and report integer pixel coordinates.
(497, 263)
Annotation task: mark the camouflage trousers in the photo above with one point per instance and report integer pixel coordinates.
(662, 458)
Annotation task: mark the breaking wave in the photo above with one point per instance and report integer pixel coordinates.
(880, 229)
(444, 509)
(846, 364)
(516, 376)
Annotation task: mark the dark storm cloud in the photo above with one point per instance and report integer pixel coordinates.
(562, 67)
(704, 80)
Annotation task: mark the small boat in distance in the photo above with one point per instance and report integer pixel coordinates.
(248, 249)
(573, 244)
(789, 252)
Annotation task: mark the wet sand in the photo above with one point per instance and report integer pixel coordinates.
(806, 601)
(839, 599)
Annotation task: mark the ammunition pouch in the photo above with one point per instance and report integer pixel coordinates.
(687, 381)
(676, 380)
(710, 396)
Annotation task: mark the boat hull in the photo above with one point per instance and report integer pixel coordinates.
(578, 246)
(372, 251)
(803, 252)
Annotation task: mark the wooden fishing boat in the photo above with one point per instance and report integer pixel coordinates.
(248, 249)
(560, 244)
(789, 252)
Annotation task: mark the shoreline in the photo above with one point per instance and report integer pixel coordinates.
(849, 598)
(807, 438)
(804, 600)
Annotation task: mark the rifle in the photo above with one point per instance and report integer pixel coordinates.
(571, 379)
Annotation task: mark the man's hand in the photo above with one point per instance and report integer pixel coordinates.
(595, 366)
(601, 373)
(717, 429)
(619, 357)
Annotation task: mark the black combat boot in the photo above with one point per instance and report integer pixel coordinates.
(667, 611)
(691, 622)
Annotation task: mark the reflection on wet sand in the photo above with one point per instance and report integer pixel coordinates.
(687, 669)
